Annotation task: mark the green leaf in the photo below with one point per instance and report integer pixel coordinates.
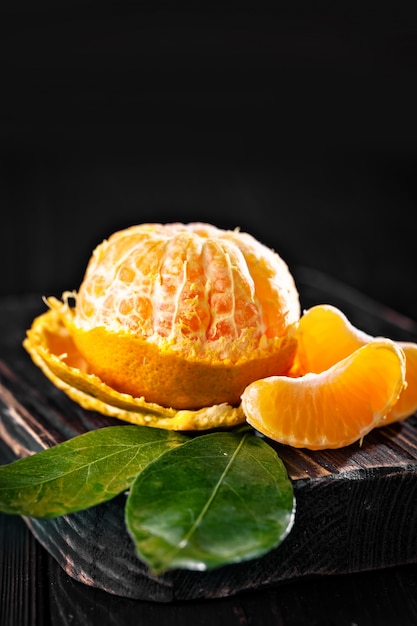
(81, 472)
(219, 498)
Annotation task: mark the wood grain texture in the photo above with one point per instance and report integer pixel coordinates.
(22, 582)
(382, 597)
(355, 506)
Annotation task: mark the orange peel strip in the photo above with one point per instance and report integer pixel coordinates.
(48, 331)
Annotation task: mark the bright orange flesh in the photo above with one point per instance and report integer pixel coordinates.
(185, 315)
(325, 336)
(334, 408)
(195, 283)
(407, 402)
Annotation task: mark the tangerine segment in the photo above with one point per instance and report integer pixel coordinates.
(325, 336)
(52, 349)
(331, 409)
(407, 402)
(186, 315)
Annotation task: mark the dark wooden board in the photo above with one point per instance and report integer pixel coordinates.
(356, 506)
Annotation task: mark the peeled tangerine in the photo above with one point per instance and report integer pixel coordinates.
(170, 324)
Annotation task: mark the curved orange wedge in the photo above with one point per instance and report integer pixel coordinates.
(325, 336)
(331, 409)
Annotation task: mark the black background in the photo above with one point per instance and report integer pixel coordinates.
(297, 125)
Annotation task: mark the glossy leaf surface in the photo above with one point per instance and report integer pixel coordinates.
(81, 472)
(219, 498)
